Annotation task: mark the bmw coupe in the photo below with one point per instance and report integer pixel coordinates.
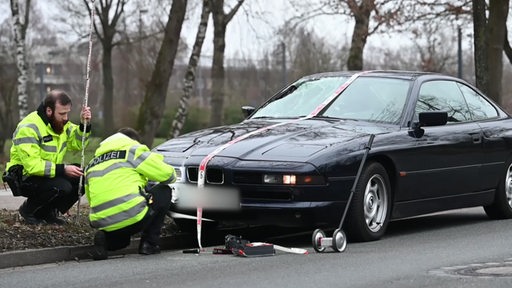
(439, 144)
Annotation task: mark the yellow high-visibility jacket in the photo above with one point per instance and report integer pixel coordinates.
(39, 149)
(121, 167)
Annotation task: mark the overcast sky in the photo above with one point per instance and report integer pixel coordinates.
(245, 35)
(250, 36)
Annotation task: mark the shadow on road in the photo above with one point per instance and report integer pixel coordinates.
(436, 221)
(302, 237)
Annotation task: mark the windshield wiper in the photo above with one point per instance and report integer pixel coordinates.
(288, 91)
(263, 117)
(327, 117)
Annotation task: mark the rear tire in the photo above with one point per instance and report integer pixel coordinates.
(501, 208)
(370, 209)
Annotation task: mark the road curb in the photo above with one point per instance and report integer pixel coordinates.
(29, 257)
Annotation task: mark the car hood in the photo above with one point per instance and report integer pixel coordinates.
(294, 140)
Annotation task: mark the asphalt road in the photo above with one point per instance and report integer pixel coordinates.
(454, 249)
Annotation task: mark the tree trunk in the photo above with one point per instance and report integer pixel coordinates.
(109, 13)
(219, 46)
(361, 28)
(152, 107)
(108, 91)
(20, 28)
(498, 12)
(190, 74)
(480, 40)
(109, 17)
(220, 22)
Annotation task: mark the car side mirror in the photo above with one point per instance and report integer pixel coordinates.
(247, 110)
(427, 119)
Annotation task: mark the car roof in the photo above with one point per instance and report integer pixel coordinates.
(381, 73)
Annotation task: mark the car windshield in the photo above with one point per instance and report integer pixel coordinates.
(371, 99)
(300, 98)
(367, 98)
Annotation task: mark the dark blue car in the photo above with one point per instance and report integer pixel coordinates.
(439, 144)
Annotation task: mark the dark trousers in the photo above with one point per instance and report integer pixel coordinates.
(44, 195)
(150, 225)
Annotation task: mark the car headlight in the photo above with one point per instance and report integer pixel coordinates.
(293, 179)
(179, 173)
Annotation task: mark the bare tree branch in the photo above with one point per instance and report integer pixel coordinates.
(233, 11)
(506, 47)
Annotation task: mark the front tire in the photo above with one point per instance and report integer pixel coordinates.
(501, 208)
(370, 209)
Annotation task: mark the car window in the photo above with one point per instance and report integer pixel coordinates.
(371, 99)
(301, 98)
(479, 106)
(441, 95)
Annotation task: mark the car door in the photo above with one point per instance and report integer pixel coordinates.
(495, 126)
(445, 161)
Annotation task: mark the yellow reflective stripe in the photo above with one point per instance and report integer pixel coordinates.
(78, 137)
(131, 153)
(136, 161)
(64, 145)
(114, 202)
(49, 148)
(25, 140)
(120, 216)
(28, 125)
(105, 171)
(48, 168)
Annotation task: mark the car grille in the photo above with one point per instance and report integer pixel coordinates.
(213, 175)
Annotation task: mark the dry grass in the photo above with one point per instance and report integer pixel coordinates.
(16, 235)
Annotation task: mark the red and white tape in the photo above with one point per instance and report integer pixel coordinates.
(202, 166)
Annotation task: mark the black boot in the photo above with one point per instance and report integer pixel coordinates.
(53, 218)
(28, 215)
(100, 246)
(147, 248)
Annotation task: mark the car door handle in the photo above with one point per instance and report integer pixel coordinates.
(477, 138)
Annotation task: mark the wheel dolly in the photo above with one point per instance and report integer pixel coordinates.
(338, 241)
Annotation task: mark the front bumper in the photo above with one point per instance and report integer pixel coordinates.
(289, 214)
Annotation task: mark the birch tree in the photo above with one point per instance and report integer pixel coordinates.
(20, 24)
(190, 73)
(152, 108)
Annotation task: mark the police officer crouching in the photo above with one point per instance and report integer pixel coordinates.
(36, 170)
(115, 185)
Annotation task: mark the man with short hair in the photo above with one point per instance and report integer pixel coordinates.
(121, 201)
(39, 144)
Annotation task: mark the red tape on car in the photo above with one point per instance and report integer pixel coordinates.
(202, 167)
